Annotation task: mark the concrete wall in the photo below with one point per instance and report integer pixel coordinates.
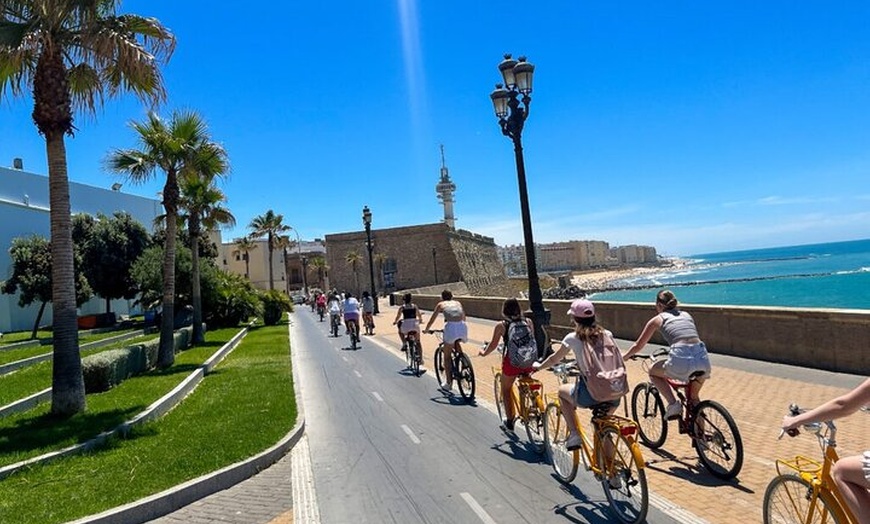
(830, 339)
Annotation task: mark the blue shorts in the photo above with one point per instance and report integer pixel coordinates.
(583, 399)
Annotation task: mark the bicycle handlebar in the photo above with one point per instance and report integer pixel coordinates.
(815, 427)
(655, 354)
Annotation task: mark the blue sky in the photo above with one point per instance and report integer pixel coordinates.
(690, 126)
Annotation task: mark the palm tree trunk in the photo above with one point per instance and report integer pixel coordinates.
(67, 384)
(247, 266)
(108, 305)
(37, 321)
(198, 337)
(271, 278)
(166, 353)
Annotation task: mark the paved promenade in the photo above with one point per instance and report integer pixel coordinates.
(756, 393)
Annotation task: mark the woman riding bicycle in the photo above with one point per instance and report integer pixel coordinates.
(408, 318)
(368, 311)
(333, 307)
(351, 309)
(587, 333)
(687, 353)
(852, 474)
(455, 331)
(512, 312)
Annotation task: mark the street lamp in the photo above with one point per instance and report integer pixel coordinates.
(512, 113)
(367, 222)
(305, 276)
(435, 265)
(302, 260)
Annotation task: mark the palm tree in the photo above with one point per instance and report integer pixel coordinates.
(172, 148)
(72, 56)
(380, 260)
(284, 243)
(269, 225)
(202, 202)
(245, 245)
(319, 265)
(353, 258)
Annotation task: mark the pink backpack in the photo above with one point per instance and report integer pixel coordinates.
(606, 378)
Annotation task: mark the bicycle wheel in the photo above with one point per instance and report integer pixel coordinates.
(534, 422)
(789, 498)
(465, 374)
(499, 400)
(414, 352)
(439, 364)
(565, 463)
(622, 477)
(648, 412)
(717, 440)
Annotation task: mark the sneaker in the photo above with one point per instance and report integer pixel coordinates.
(574, 442)
(674, 411)
(447, 386)
(404, 348)
(615, 481)
(508, 425)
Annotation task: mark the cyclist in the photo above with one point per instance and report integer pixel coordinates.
(852, 474)
(321, 303)
(368, 310)
(587, 332)
(350, 308)
(687, 353)
(455, 331)
(408, 318)
(512, 312)
(334, 309)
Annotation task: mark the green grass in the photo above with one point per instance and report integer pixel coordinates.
(11, 355)
(242, 408)
(21, 336)
(36, 377)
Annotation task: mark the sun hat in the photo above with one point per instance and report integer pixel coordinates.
(581, 308)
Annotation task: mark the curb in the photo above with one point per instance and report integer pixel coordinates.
(175, 498)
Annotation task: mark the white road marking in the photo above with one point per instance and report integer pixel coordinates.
(357, 373)
(410, 434)
(345, 359)
(378, 396)
(477, 508)
(302, 481)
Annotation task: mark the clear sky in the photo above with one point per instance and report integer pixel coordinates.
(690, 126)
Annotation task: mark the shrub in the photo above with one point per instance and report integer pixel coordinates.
(275, 304)
(232, 301)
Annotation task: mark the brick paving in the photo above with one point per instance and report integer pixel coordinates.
(756, 395)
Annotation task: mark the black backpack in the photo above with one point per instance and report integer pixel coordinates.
(519, 344)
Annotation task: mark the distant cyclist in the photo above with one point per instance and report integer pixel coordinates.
(687, 353)
(408, 318)
(455, 331)
(333, 306)
(368, 311)
(351, 310)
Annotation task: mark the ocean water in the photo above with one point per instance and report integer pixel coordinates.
(833, 275)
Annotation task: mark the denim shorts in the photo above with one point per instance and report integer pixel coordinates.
(583, 399)
(683, 360)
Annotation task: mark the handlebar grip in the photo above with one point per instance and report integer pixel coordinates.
(793, 432)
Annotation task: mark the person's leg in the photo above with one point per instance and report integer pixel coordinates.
(657, 376)
(848, 474)
(448, 365)
(507, 383)
(569, 410)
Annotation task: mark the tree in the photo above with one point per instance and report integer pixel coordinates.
(32, 275)
(245, 245)
(269, 225)
(109, 249)
(171, 148)
(203, 203)
(380, 260)
(319, 265)
(72, 56)
(353, 259)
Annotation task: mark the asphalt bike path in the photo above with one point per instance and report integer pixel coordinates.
(387, 446)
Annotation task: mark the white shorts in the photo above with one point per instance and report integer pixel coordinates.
(454, 331)
(683, 360)
(409, 324)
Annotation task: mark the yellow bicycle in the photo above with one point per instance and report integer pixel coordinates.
(803, 490)
(528, 401)
(612, 454)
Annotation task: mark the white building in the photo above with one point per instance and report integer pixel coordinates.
(24, 211)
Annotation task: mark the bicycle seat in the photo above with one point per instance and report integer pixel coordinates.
(531, 383)
(601, 410)
(696, 375)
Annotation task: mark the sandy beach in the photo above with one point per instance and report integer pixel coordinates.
(603, 279)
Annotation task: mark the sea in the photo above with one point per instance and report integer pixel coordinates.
(832, 275)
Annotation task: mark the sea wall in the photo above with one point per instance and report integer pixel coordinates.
(829, 339)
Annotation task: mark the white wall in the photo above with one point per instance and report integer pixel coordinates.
(24, 211)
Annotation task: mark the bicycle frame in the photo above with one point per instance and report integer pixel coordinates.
(522, 389)
(818, 475)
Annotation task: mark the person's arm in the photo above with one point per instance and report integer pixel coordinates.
(555, 358)
(832, 409)
(433, 316)
(497, 334)
(419, 315)
(647, 333)
(398, 314)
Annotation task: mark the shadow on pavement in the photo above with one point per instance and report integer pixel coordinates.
(585, 509)
(687, 468)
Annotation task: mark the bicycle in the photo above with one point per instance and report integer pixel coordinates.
(353, 331)
(612, 454)
(334, 322)
(321, 310)
(413, 352)
(711, 427)
(809, 495)
(463, 372)
(527, 398)
(369, 322)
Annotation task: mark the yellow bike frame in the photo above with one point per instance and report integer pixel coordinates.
(818, 475)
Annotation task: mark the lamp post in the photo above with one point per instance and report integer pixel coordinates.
(512, 113)
(305, 276)
(302, 260)
(435, 264)
(367, 222)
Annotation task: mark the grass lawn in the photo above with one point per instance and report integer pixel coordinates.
(242, 408)
(11, 355)
(34, 378)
